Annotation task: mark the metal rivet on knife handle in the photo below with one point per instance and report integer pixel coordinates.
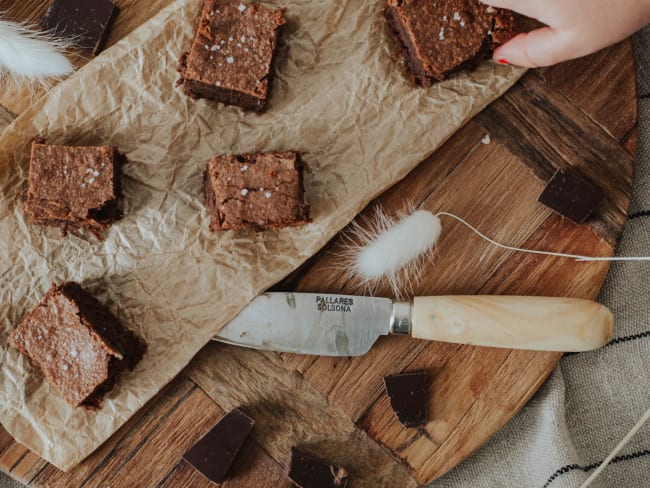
(400, 319)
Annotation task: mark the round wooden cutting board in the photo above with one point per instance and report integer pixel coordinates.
(581, 115)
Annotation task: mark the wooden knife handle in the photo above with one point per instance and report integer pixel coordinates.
(537, 323)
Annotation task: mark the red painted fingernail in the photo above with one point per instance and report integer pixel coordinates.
(503, 61)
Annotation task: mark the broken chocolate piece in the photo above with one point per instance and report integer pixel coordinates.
(85, 22)
(310, 472)
(407, 393)
(571, 196)
(213, 455)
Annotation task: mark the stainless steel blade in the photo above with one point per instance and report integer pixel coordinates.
(310, 323)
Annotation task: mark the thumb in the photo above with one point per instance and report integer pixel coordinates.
(541, 47)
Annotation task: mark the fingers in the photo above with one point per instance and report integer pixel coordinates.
(541, 47)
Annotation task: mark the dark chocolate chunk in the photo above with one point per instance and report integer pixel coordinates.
(407, 393)
(231, 59)
(85, 22)
(310, 472)
(440, 38)
(213, 455)
(80, 346)
(571, 196)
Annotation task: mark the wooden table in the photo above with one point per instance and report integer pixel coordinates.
(580, 114)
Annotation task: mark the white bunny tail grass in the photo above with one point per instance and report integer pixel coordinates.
(390, 251)
(30, 57)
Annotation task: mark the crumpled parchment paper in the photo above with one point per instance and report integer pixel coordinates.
(5, 119)
(338, 96)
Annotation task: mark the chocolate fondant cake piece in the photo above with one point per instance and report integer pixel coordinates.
(407, 393)
(255, 191)
(310, 472)
(213, 455)
(85, 22)
(232, 56)
(80, 346)
(442, 37)
(74, 187)
(571, 196)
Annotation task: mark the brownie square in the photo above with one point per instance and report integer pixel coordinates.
(443, 37)
(571, 196)
(80, 346)
(74, 187)
(232, 56)
(85, 22)
(255, 191)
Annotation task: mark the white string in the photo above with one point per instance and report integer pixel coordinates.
(616, 450)
(576, 257)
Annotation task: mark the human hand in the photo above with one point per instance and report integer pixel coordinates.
(575, 28)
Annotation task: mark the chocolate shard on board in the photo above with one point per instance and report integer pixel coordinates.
(214, 454)
(232, 57)
(442, 37)
(74, 187)
(571, 196)
(307, 471)
(80, 346)
(85, 22)
(407, 393)
(255, 191)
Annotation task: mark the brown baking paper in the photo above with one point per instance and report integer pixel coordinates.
(5, 119)
(338, 96)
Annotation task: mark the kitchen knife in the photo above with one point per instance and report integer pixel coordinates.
(344, 325)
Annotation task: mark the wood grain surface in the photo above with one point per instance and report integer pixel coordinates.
(580, 115)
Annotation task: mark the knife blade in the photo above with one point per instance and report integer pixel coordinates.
(346, 325)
